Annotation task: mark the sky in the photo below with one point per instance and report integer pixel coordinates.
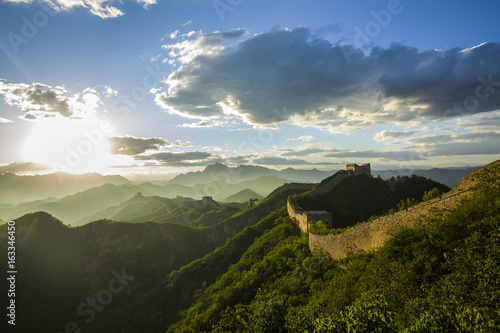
(149, 88)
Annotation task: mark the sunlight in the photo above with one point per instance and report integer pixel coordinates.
(70, 145)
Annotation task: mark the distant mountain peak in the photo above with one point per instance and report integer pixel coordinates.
(216, 167)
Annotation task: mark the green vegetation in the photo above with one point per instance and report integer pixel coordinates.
(405, 204)
(441, 276)
(292, 199)
(253, 271)
(214, 216)
(432, 194)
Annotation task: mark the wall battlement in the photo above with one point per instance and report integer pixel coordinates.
(304, 218)
(357, 170)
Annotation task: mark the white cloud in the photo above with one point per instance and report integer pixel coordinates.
(304, 138)
(41, 100)
(101, 8)
(207, 44)
(391, 135)
(174, 34)
(205, 124)
(4, 121)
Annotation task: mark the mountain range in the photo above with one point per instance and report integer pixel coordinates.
(76, 199)
(238, 269)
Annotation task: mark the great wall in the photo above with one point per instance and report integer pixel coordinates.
(372, 234)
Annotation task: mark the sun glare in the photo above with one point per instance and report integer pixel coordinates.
(70, 145)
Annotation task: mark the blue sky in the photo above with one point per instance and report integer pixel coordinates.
(155, 87)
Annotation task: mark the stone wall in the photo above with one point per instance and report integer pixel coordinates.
(298, 215)
(373, 234)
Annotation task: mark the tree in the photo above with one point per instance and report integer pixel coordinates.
(434, 193)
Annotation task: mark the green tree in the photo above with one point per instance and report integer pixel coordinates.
(434, 193)
(405, 204)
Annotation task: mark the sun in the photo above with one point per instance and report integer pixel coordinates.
(70, 145)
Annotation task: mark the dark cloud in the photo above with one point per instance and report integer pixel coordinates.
(448, 83)
(29, 116)
(129, 145)
(293, 74)
(42, 98)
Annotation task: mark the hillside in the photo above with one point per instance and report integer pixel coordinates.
(440, 276)
(374, 233)
(355, 199)
(106, 201)
(73, 207)
(243, 196)
(62, 266)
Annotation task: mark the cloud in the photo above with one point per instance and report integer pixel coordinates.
(102, 8)
(296, 76)
(302, 152)
(402, 155)
(35, 97)
(206, 44)
(205, 124)
(457, 144)
(304, 138)
(276, 160)
(129, 145)
(17, 167)
(41, 100)
(484, 122)
(329, 153)
(483, 147)
(391, 135)
(194, 158)
(4, 120)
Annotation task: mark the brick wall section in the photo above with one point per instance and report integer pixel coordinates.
(298, 215)
(373, 234)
